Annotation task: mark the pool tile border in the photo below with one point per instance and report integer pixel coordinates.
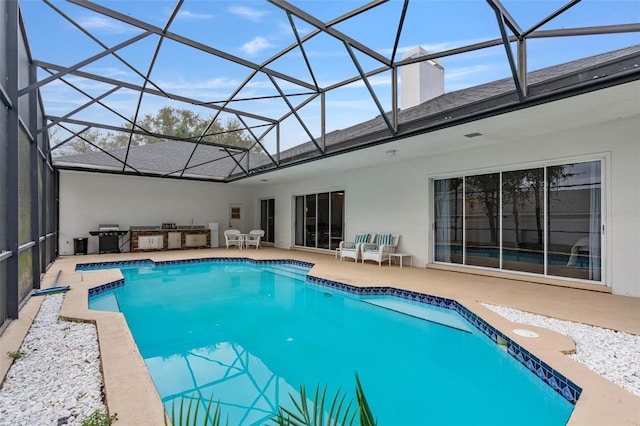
(94, 291)
(105, 287)
(114, 264)
(119, 264)
(556, 380)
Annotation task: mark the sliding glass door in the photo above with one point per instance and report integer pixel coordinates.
(448, 198)
(545, 220)
(481, 206)
(574, 220)
(267, 219)
(319, 220)
(523, 220)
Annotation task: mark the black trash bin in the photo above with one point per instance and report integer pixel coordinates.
(80, 245)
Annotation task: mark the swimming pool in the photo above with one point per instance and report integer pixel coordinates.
(251, 337)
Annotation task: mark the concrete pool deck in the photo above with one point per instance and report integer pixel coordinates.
(129, 390)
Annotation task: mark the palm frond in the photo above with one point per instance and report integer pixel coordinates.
(366, 416)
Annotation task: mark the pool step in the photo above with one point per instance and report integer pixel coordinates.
(106, 301)
(431, 314)
(290, 271)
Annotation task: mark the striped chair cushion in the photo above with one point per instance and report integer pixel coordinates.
(384, 239)
(362, 238)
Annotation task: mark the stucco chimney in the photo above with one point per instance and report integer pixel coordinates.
(422, 81)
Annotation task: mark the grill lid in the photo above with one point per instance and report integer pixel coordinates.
(108, 227)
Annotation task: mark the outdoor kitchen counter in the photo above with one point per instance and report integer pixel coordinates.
(157, 238)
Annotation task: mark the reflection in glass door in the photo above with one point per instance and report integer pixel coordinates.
(482, 209)
(575, 224)
(267, 219)
(310, 221)
(523, 220)
(448, 196)
(319, 220)
(544, 220)
(323, 220)
(299, 221)
(337, 219)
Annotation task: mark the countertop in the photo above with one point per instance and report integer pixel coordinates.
(158, 228)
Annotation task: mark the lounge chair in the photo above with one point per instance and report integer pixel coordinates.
(232, 238)
(380, 251)
(253, 239)
(352, 249)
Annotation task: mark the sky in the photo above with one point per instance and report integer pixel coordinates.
(257, 30)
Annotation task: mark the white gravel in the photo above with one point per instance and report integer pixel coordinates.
(57, 381)
(615, 355)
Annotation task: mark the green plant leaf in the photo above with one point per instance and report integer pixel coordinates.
(366, 416)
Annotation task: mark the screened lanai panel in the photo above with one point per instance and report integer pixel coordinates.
(25, 257)
(3, 292)
(108, 160)
(312, 73)
(212, 161)
(4, 112)
(41, 212)
(550, 51)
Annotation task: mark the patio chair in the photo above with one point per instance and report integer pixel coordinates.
(232, 238)
(352, 248)
(253, 239)
(380, 251)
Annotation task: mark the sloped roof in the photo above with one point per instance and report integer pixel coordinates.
(163, 159)
(213, 163)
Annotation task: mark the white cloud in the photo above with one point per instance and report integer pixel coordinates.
(374, 81)
(256, 45)
(112, 72)
(433, 47)
(461, 73)
(213, 83)
(248, 13)
(285, 28)
(192, 16)
(464, 77)
(99, 23)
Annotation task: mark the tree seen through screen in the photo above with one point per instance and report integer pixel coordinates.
(179, 123)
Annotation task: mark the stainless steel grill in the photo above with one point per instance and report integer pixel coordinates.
(109, 237)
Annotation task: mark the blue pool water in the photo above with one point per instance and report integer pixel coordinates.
(251, 337)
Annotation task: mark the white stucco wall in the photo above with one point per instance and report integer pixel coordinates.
(395, 198)
(89, 199)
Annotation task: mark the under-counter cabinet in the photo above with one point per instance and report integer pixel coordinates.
(150, 242)
(196, 240)
(174, 240)
(147, 239)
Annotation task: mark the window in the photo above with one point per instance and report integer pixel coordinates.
(267, 217)
(513, 221)
(319, 220)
